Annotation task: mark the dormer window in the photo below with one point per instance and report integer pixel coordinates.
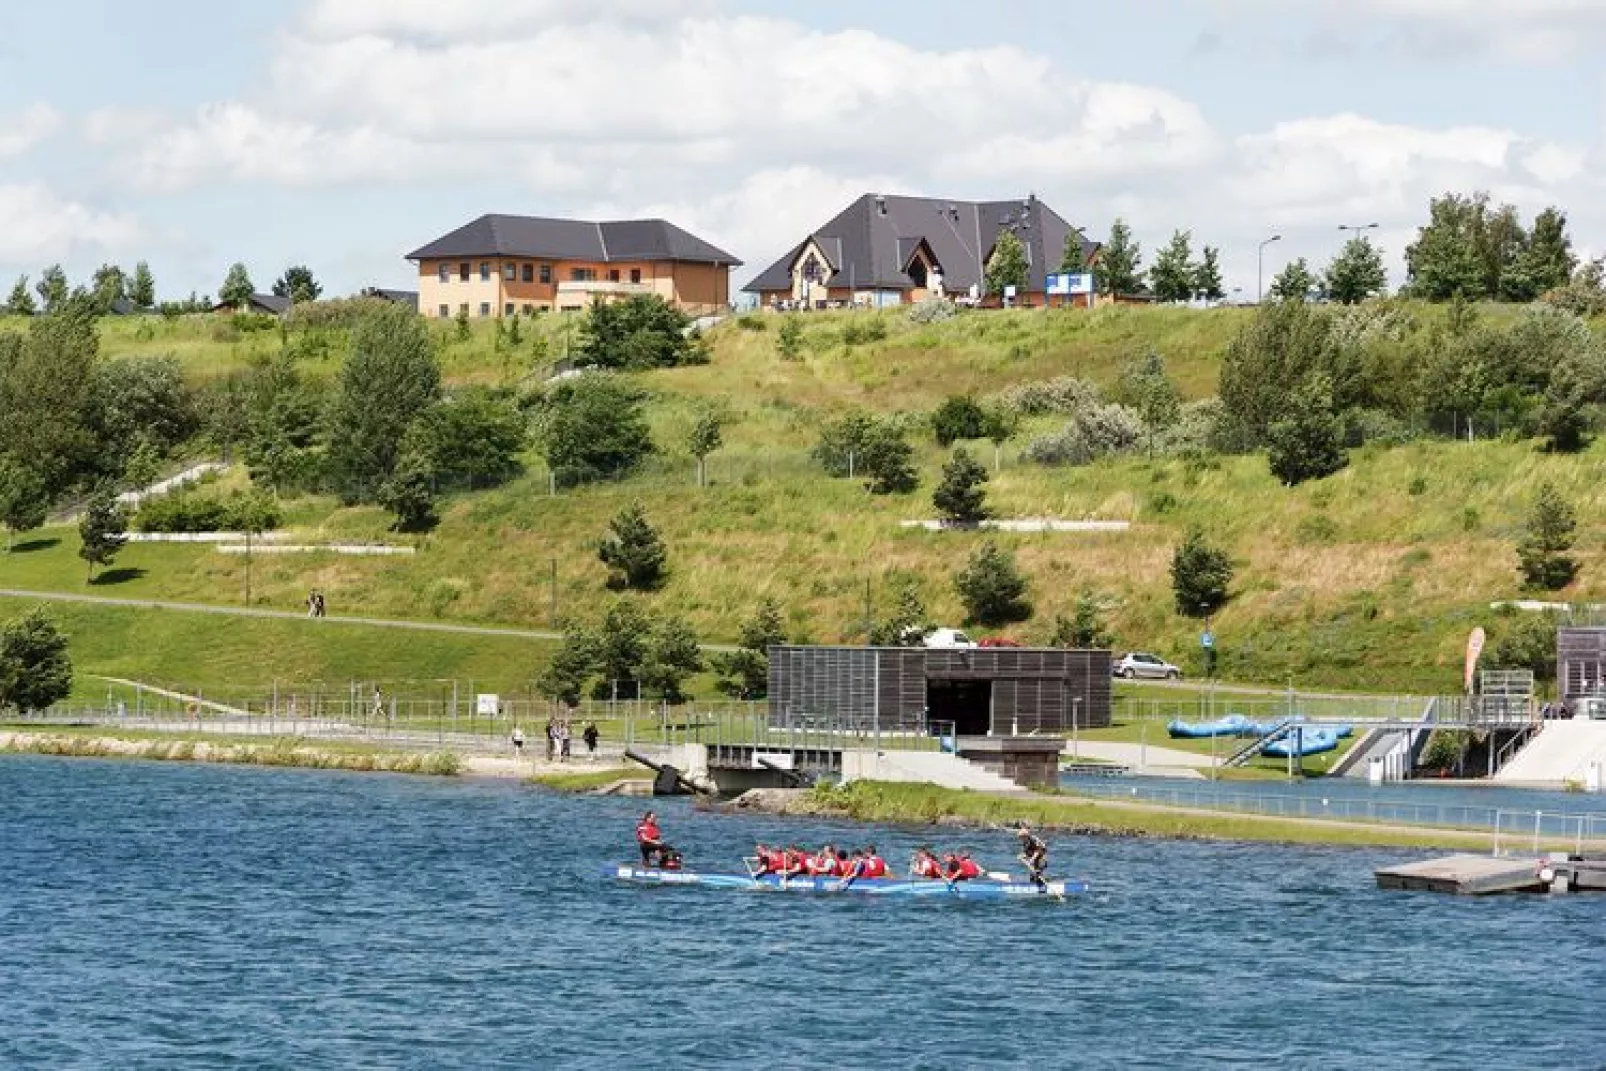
(812, 270)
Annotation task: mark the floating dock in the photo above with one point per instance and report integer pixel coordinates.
(1488, 875)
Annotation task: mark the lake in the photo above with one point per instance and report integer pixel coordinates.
(175, 916)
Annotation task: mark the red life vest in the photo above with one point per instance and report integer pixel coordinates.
(927, 867)
(775, 861)
(968, 869)
(875, 867)
(647, 832)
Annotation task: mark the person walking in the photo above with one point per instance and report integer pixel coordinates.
(551, 738)
(591, 736)
(563, 740)
(518, 742)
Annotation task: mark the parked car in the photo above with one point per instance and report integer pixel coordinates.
(1137, 664)
(999, 641)
(949, 638)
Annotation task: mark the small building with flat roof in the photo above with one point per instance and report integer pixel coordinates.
(991, 691)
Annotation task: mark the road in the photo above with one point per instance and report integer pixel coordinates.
(286, 615)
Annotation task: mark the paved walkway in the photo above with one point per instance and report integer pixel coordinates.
(1138, 757)
(287, 615)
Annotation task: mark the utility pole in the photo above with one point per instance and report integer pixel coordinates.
(553, 618)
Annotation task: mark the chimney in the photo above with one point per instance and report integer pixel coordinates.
(880, 205)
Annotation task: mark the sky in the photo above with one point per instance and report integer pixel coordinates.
(345, 133)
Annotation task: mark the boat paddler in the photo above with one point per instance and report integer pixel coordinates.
(1034, 853)
(959, 867)
(925, 865)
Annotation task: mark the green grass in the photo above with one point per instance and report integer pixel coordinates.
(98, 743)
(590, 780)
(1369, 581)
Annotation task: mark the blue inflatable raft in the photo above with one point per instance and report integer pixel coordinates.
(1231, 725)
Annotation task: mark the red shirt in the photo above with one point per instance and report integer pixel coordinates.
(647, 832)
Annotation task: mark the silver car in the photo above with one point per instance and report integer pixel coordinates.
(1139, 665)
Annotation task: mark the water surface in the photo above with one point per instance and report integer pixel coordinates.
(171, 916)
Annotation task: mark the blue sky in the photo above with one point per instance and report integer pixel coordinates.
(343, 133)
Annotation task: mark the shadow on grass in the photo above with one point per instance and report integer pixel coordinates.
(113, 577)
(34, 546)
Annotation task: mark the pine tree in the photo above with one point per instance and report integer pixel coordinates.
(142, 289)
(1085, 629)
(1007, 266)
(35, 670)
(1172, 276)
(908, 623)
(101, 531)
(237, 289)
(1542, 554)
(961, 497)
(1307, 442)
(1200, 576)
(298, 284)
(573, 664)
(1207, 283)
(633, 552)
(1116, 271)
(1357, 273)
(21, 302)
(1073, 258)
(992, 588)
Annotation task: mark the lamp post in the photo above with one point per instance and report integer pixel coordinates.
(1358, 229)
(1260, 270)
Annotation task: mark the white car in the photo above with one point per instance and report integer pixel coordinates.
(1137, 664)
(948, 638)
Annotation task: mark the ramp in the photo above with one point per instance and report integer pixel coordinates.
(1562, 752)
(922, 767)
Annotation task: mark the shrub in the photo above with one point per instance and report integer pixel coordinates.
(592, 428)
(959, 417)
(641, 332)
(1097, 431)
(933, 310)
(336, 313)
(992, 588)
(1200, 576)
(863, 445)
(1066, 395)
(752, 322)
(861, 330)
(185, 512)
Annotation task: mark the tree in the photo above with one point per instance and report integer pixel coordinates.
(1295, 282)
(1147, 389)
(1357, 273)
(672, 655)
(622, 646)
(24, 502)
(1528, 644)
(959, 417)
(101, 531)
(888, 461)
(1116, 271)
(107, 286)
(1171, 278)
(140, 401)
(1007, 266)
(474, 437)
(641, 332)
(409, 492)
(1549, 261)
(593, 428)
(573, 664)
(1085, 629)
(789, 339)
(21, 302)
(1207, 284)
(961, 497)
(237, 289)
(298, 284)
(1073, 258)
(992, 588)
(706, 436)
(52, 288)
(1564, 420)
(388, 382)
(1542, 553)
(633, 552)
(908, 623)
(1442, 263)
(1200, 576)
(1307, 443)
(47, 388)
(142, 288)
(745, 672)
(35, 669)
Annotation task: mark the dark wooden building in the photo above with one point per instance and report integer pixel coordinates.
(1001, 691)
(1580, 662)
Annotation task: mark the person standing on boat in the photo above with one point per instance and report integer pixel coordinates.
(1034, 853)
(650, 839)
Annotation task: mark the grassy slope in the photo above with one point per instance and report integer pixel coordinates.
(1356, 582)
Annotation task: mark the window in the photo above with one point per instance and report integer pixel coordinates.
(446, 312)
(446, 272)
(463, 271)
(463, 308)
(529, 273)
(507, 310)
(485, 271)
(613, 275)
(510, 272)
(485, 308)
(529, 310)
(546, 274)
(583, 275)
(635, 275)
(811, 269)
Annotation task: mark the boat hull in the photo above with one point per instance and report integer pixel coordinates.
(964, 890)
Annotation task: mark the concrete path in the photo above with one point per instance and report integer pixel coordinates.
(1563, 751)
(287, 615)
(1138, 757)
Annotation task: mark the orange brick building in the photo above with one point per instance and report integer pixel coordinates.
(501, 265)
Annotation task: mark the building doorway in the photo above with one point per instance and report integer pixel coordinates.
(968, 705)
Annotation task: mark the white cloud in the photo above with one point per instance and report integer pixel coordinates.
(27, 128)
(39, 227)
(480, 20)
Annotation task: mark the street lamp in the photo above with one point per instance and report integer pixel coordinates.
(1357, 229)
(1260, 270)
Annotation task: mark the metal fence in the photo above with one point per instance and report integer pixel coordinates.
(1207, 705)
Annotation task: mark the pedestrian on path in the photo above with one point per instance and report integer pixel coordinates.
(563, 740)
(551, 738)
(590, 736)
(518, 742)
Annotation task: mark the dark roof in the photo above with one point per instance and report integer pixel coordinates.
(870, 242)
(398, 297)
(570, 239)
(123, 307)
(271, 303)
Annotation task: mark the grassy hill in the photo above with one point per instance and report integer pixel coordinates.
(1370, 579)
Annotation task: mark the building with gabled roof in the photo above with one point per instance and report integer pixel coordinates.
(500, 265)
(887, 250)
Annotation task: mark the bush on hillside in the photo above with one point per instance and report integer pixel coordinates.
(864, 329)
(992, 587)
(863, 445)
(960, 417)
(1542, 554)
(593, 428)
(474, 437)
(641, 332)
(1065, 395)
(1201, 575)
(933, 310)
(1097, 431)
(334, 313)
(188, 512)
